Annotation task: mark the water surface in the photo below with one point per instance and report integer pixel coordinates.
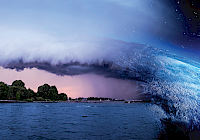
(78, 121)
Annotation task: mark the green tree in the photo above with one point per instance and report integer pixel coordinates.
(39, 99)
(3, 87)
(18, 95)
(53, 93)
(43, 91)
(62, 96)
(30, 93)
(18, 83)
(23, 92)
(3, 91)
(10, 94)
(12, 91)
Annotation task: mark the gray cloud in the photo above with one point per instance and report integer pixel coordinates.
(79, 55)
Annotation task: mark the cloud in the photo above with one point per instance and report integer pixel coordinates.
(31, 46)
(66, 32)
(74, 55)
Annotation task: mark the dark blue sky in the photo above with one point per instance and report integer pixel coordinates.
(187, 33)
(169, 24)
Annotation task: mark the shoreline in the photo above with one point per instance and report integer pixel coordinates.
(76, 101)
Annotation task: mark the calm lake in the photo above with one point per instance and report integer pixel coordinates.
(110, 120)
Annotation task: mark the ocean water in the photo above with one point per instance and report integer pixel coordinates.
(110, 120)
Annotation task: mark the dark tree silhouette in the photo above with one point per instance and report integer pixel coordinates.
(12, 91)
(62, 96)
(53, 93)
(3, 91)
(18, 83)
(43, 91)
(18, 95)
(30, 94)
(18, 91)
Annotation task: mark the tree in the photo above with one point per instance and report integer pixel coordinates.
(12, 91)
(48, 92)
(18, 95)
(18, 83)
(3, 91)
(39, 99)
(18, 91)
(62, 96)
(53, 93)
(43, 91)
(3, 87)
(23, 92)
(30, 93)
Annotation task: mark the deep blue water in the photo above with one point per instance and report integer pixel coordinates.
(78, 121)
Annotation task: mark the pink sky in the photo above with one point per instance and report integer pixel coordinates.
(77, 86)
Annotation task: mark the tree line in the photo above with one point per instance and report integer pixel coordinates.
(18, 91)
(101, 98)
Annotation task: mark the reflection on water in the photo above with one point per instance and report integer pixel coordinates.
(78, 121)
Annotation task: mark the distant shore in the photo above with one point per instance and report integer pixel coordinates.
(77, 101)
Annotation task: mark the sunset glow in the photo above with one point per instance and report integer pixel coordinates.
(74, 86)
